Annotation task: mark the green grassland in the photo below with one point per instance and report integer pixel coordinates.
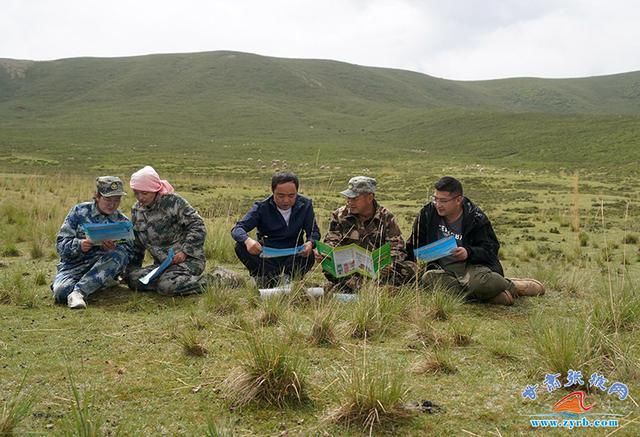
(221, 103)
(552, 162)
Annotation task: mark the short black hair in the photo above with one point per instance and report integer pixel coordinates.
(449, 184)
(282, 178)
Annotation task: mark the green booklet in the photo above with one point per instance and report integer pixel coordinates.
(345, 260)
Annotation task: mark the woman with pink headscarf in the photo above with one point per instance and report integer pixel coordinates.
(163, 220)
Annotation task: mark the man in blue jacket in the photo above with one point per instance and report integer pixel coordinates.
(473, 268)
(283, 220)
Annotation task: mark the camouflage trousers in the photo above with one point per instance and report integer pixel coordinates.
(398, 273)
(180, 280)
(88, 277)
(476, 283)
(177, 280)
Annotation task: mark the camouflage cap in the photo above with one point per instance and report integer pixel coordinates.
(360, 185)
(108, 186)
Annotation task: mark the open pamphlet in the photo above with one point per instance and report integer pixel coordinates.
(271, 252)
(153, 274)
(99, 232)
(436, 250)
(345, 260)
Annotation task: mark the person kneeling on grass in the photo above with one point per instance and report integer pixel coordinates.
(473, 269)
(163, 220)
(283, 220)
(84, 267)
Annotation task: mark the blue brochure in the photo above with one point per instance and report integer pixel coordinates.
(99, 232)
(153, 274)
(436, 250)
(270, 252)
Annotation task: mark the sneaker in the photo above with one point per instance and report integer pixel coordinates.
(528, 287)
(503, 298)
(75, 301)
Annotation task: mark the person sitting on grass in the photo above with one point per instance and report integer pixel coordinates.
(473, 269)
(84, 266)
(163, 220)
(370, 225)
(283, 220)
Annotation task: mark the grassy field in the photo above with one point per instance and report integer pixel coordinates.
(552, 162)
(142, 364)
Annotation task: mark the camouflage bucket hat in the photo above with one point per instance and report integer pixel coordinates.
(108, 186)
(360, 185)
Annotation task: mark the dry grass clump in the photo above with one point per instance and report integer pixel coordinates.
(271, 371)
(462, 333)
(191, 342)
(439, 360)
(370, 395)
(323, 325)
(425, 333)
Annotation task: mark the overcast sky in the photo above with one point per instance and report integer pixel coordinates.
(465, 39)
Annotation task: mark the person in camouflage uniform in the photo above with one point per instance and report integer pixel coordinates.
(366, 223)
(162, 220)
(84, 267)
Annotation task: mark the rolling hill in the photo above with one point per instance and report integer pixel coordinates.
(204, 101)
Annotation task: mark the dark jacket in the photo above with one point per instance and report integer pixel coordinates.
(478, 236)
(273, 230)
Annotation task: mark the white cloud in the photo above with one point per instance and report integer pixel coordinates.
(457, 39)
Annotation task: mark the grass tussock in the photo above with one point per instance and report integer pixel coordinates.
(438, 360)
(323, 325)
(14, 410)
(217, 428)
(273, 310)
(370, 396)
(374, 312)
(462, 333)
(220, 301)
(562, 344)
(442, 304)
(17, 289)
(191, 342)
(83, 422)
(271, 371)
(616, 306)
(425, 333)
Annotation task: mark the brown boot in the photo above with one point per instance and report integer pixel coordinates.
(503, 298)
(528, 287)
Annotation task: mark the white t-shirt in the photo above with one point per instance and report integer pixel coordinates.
(286, 213)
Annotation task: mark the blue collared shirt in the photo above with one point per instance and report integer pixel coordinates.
(273, 231)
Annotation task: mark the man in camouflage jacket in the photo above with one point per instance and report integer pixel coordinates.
(366, 223)
(84, 266)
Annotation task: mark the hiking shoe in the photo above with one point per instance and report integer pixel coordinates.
(528, 287)
(225, 277)
(75, 301)
(503, 298)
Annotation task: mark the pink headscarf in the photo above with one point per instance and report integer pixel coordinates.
(147, 179)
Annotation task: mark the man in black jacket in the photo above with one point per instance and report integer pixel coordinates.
(284, 220)
(473, 268)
